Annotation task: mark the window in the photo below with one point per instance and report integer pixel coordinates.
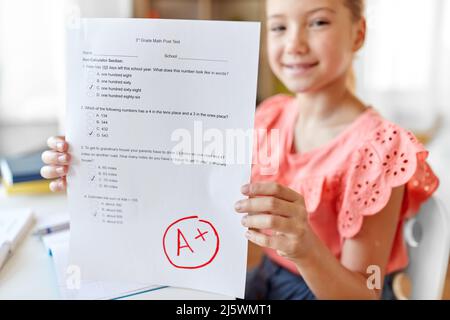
(402, 68)
(32, 54)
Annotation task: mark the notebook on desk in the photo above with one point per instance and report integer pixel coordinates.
(14, 225)
(21, 174)
(22, 168)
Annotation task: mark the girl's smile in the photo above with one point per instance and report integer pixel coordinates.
(311, 43)
(298, 69)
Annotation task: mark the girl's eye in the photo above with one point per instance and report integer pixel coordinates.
(319, 23)
(277, 28)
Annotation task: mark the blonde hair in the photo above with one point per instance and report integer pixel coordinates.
(356, 8)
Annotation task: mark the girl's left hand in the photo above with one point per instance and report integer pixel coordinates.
(280, 209)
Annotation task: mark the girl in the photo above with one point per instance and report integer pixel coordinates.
(330, 215)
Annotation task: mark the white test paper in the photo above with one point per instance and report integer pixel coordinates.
(143, 95)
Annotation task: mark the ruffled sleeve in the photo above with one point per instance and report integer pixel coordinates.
(390, 158)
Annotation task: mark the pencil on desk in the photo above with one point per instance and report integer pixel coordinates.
(52, 229)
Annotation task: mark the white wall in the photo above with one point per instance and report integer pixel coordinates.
(32, 53)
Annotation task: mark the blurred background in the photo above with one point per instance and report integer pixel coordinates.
(403, 70)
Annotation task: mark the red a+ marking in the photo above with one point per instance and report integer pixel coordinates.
(185, 241)
(200, 234)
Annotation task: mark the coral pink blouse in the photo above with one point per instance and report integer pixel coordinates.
(348, 178)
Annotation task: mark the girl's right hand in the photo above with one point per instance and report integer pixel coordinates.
(57, 160)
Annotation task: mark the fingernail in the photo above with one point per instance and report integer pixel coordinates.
(248, 234)
(238, 205)
(245, 188)
(244, 221)
(60, 184)
(60, 146)
(62, 158)
(60, 170)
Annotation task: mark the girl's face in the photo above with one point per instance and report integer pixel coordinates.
(311, 42)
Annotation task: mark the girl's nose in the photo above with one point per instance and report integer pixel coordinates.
(297, 43)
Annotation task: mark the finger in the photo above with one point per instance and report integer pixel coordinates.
(275, 242)
(52, 172)
(268, 221)
(270, 189)
(58, 185)
(52, 157)
(58, 143)
(266, 204)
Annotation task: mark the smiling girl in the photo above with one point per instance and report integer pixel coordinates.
(331, 215)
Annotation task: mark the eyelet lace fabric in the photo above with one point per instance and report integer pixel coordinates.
(391, 157)
(347, 179)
